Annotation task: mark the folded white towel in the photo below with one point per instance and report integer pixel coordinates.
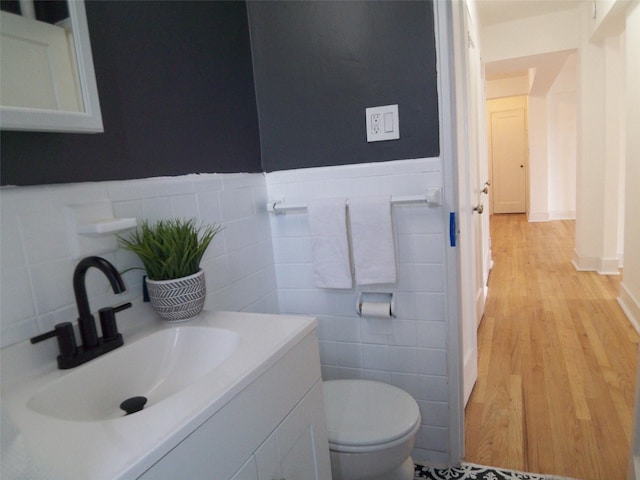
(329, 243)
(374, 253)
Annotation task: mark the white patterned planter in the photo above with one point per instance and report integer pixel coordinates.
(180, 299)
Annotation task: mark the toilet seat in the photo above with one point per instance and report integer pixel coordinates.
(365, 416)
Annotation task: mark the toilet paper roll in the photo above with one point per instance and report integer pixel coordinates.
(375, 309)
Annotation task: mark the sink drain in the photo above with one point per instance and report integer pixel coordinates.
(133, 404)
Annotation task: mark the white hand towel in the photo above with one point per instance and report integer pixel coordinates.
(329, 243)
(374, 253)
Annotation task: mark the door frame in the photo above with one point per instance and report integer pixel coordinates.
(444, 27)
(452, 58)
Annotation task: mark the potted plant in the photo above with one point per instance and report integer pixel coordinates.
(171, 251)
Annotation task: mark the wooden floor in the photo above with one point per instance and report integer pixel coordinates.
(557, 360)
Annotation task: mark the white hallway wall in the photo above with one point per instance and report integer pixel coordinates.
(552, 130)
(596, 97)
(630, 287)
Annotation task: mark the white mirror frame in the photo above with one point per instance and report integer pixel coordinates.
(89, 121)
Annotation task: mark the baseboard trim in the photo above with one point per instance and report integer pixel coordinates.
(630, 306)
(550, 216)
(538, 217)
(584, 264)
(608, 266)
(560, 215)
(603, 266)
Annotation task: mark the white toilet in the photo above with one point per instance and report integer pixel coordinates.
(372, 428)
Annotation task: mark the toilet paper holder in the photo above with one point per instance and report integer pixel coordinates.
(376, 297)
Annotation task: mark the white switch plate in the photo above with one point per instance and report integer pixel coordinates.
(382, 123)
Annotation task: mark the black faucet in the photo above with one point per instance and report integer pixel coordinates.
(92, 346)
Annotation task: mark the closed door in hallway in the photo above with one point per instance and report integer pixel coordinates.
(508, 152)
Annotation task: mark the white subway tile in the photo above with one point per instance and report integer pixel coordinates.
(232, 181)
(433, 438)
(326, 328)
(432, 388)
(430, 306)
(44, 236)
(432, 361)
(18, 332)
(349, 372)
(408, 382)
(172, 186)
(429, 457)
(78, 193)
(154, 209)
(403, 359)
(184, 206)
(49, 320)
(434, 413)
(209, 208)
(426, 277)
(347, 329)
(295, 275)
(377, 375)
(404, 333)
(292, 250)
(16, 301)
(128, 209)
(349, 354)
(330, 372)
(206, 182)
(431, 334)
(131, 190)
(52, 285)
(375, 357)
(216, 272)
(11, 245)
(328, 352)
(236, 204)
(289, 225)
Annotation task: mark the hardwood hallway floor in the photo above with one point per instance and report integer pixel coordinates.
(557, 360)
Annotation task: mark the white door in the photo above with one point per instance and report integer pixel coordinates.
(471, 177)
(508, 151)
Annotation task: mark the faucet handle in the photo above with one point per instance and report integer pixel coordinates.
(108, 320)
(124, 306)
(42, 337)
(65, 336)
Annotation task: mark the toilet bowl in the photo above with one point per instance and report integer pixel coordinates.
(372, 428)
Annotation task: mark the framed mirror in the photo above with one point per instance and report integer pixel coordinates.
(46, 73)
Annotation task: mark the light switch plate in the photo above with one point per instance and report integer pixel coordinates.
(382, 123)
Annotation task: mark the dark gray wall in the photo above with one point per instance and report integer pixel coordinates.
(177, 96)
(318, 65)
(177, 90)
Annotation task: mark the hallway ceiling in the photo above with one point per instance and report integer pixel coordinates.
(542, 69)
(491, 12)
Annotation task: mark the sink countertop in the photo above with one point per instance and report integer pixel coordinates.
(125, 447)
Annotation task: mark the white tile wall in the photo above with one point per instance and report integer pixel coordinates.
(261, 263)
(413, 355)
(36, 267)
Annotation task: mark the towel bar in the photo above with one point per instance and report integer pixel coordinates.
(433, 197)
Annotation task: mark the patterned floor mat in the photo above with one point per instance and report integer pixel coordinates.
(470, 471)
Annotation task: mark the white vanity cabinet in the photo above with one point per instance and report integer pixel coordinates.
(273, 429)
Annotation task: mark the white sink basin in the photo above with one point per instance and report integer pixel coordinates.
(155, 367)
(67, 423)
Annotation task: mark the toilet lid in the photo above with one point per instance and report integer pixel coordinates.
(363, 412)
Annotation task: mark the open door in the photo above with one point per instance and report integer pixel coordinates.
(472, 176)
